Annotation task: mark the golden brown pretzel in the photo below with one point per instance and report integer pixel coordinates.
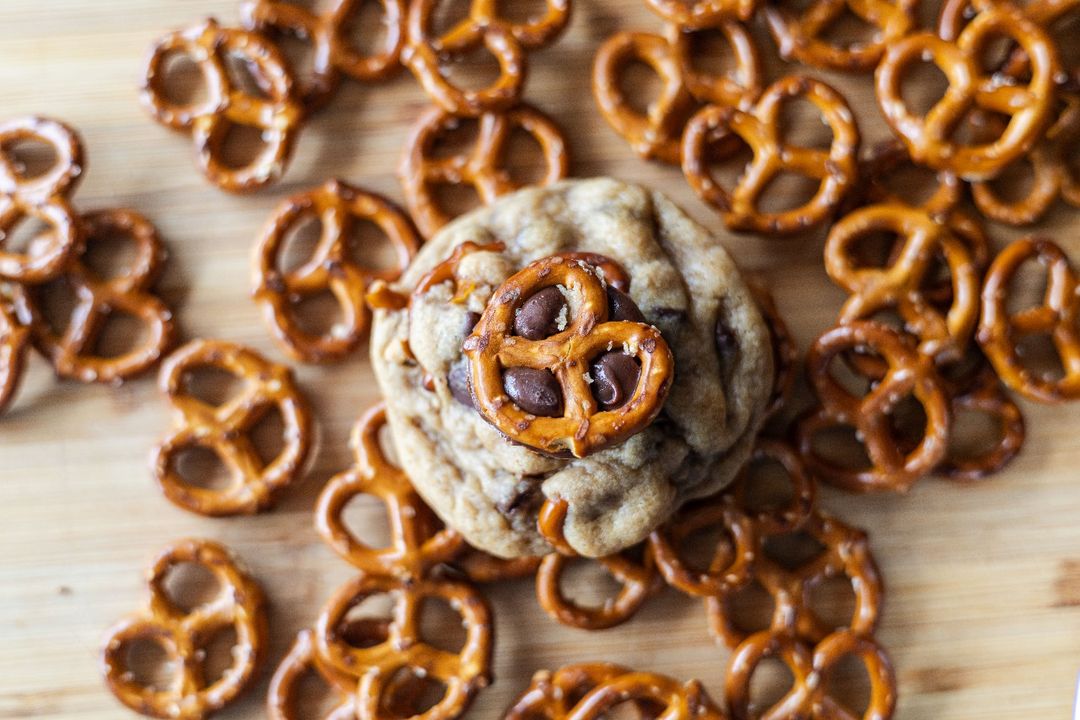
(184, 634)
(15, 322)
(899, 285)
(278, 118)
(908, 373)
(1028, 105)
(481, 567)
(73, 352)
(845, 553)
(337, 206)
(1058, 318)
(43, 197)
(739, 86)
(224, 429)
(301, 659)
(697, 14)
(417, 545)
(638, 579)
(785, 353)
(732, 561)
(761, 130)
(810, 668)
(552, 696)
(886, 161)
(984, 393)
(485, 167)
(464, 673)
(583, 428)
(799, 33)
(507, 41)
(772, 520)
(327, 33)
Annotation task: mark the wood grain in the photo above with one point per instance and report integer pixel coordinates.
(983, 616)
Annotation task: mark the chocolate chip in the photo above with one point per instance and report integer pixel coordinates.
(622, 307)
(534, 391)
(615, 377)
(460, 381)
(471, 318)
(538, 317)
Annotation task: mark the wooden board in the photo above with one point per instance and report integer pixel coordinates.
(983, 609)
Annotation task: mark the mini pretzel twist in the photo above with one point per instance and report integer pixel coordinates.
(799, 33)
(697, 14)
(760, 128)
(374, 666)
(14, 340)
(899, 285)
(337, 207)
(1029, 106)
(484, 168)
(224, 430)
(638, 579)
(809, 695)
(278, 117)
(583, 428)
(907, 372)
(284, 685)
(507, 41)
(1057, 318)
(786, 518)
(183, 635)
(43, 197)
(845, 553)
(739, 86)
(327, 33)
(417, 544)
(73, 352)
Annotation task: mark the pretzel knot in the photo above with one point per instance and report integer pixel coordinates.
(327, 32)
(899, 285)
(15, 326)
(73, 350)
(225, 429)
(507, 41)
(275, 112)
(845, 552)
(799, 34)
(1058, 318)
(579, 425)
(638, 579)
(810, 669)
(1028, 106)
(183, 635)
(375, 665)
(43, 196)
(907, 373)
(337, 207)
(418, 545)
(484, 167)
(760, 128)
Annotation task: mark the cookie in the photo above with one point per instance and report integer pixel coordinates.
(682, 281)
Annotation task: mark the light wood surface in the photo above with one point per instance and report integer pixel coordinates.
(983, 604)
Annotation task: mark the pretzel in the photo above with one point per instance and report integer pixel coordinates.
(732, 561)
(327, 33)
(463, 673)
(417, 545)
(583, 428)
(639, 580)
(810, 668)
(654, 136)
(224, 430)
(43, 197)
(739, 86)
(507, 41)
(846, 552)
(899, 285)
(785, 354)
(481, 567)
(908, 372)
(183, 635)
(554, 696)
(14, 339)
(984, 394)
(300, 660)
(796, 512)
(799, 33)
(337, 206)
(1029, 106)
(278, 117)
(484, 168)
(73, 352)
(1000, 331)
(885, 161)
(760, 129)
(698, 14)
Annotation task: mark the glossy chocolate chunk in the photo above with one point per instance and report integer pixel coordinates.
(615, 376)
(534, 391)
(622, 308)
(538, 317)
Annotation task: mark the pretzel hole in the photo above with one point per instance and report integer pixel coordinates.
(319, 315)
(710, 55)
(267, 436)
(923, 84)
(455, 199)
(183, 82)
(56, 303)
(191, 585)
(299, 54)
(801, 123)
(787, 191)
(365, 623)
(455, 137)
(727, 157)
(30, 236)
(846, 370)
(247, 76)
(705, 547)
(121, 334)
(299, 244)
(472, 69)
(147, 664)
(768, 486)
(30, 158)
(850, 31)
(365, 28)
(848, 684)
(111, 253)
(1064, 31)
(409, 695)
(522, 12)
(1039, 356)
(201, 467)
(993, 52)
(445, 16)
(240, 146)
(586, 583)
(908, 421)
(793, 550)
(313, 697)
(874, 249)
(211, 385)
(974, 434)
(218, 654)
(1015, 182)
(771, 681)
(832, 601)
(842, 447)
(639, 86)
(911, 183)
(365, 518)
(441, 626)
(1027, 287)
(749, 609)
(524, 159)
(633, 709)
(368, 246)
